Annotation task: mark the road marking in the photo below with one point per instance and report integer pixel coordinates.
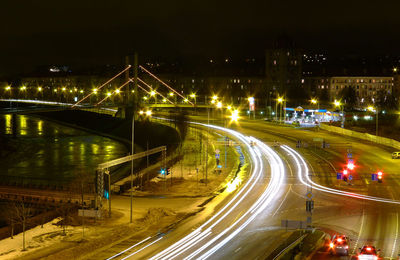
(359, 234)
(287, 193)
(397, 232)
(237, 250)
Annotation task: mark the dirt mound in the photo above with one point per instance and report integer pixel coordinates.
(154, 215)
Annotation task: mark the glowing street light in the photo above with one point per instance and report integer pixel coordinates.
(81, 91)
(145, 98)
(152, 93)
(185, 100)
(314, 101)
(215, 97)
(39, 89)
(337, 103)
(141, 112)
(95, 90)
(235, 116)
(395, 69)
(164, 100)
(8, 88)
(219, 104)
(117, 91)
(171, 94)
(278, 100)
(229, 107)
(108, 93)
(63, 89)
(148, 113)
(55, 90)
(193, 95)
(23, 88)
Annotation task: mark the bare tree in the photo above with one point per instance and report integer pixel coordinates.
(19, 213)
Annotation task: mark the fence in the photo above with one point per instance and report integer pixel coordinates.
(363, 136)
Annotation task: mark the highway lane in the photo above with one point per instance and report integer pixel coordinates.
(248, 202)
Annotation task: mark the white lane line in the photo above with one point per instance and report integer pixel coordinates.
(359, 234)
(287, 193)
(397, 232)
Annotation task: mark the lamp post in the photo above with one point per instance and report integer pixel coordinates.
(340, 105)
(370, 108)
(278, 100)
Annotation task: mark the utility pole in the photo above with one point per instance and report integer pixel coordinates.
(127, 94)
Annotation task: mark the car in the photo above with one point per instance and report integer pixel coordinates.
(368, 253)
(396, 155)
(339, 245)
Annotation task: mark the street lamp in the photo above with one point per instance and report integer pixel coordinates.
(337, 103)
(278, 100)
(219, 104)
(371, 108)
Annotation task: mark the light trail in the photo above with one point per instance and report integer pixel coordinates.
(123, 251)
(217, 237)
(300, 162)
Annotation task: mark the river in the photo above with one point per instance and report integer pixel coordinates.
(49, 153)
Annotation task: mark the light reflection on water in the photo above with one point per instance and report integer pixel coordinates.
(50, 151)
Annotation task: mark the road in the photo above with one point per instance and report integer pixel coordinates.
(366, 211)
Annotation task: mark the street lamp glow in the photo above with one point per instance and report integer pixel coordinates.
(370, 108)
(117, 91)
(70, 91)
(337, 103)
(171, 94)
(280, 100)
(39, 89)
(152, 93)
(8, 87)
(75, 89)
(215, 97)
(164, 100)
(141, 112)
(185, 100)
(395, 69)
(314, 101)
(193, 95)
(63, 89)
(55, 90)
(219, 104)
(235, 115)
(148, 113)
(108, 93)
(23, 88)
(251, 99)
(81, 91)
(212, 101)
(145, 98)
(229, 107)
(95, 90)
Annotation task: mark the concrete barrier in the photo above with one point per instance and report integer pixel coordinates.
(364, 136)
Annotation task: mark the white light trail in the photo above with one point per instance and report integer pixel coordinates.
(300, 162)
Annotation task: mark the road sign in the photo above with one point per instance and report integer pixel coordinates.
(350, 177)
(339, 176)
(309, 195)
(374, 177)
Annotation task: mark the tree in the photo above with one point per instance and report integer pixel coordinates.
(19, 213)
(349, 97)
(386, 101)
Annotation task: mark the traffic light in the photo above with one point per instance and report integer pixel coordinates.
(350, 165)
(106, 193)
(168, 171)
(380, 176)
(345, 172)
(162, 171)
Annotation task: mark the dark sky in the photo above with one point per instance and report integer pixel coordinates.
(86, 32)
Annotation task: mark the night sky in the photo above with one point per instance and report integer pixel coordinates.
(87, 32)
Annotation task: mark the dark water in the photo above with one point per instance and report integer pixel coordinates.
(47, 152)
